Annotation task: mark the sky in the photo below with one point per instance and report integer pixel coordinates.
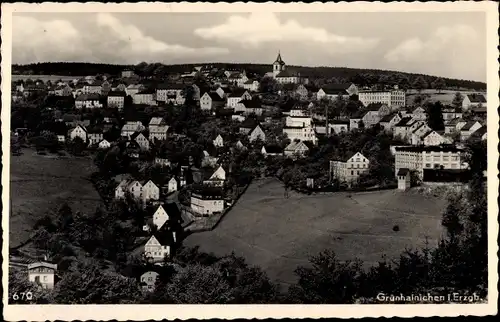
(446, 44)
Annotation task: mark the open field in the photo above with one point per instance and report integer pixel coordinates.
(45, 78)
(279, 234)
(445, 97)
(39, 184)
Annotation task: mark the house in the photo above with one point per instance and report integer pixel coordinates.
(218, 141)
(172, 185)
(434, 138)
(208, 160)
(417, 136)
(127, 73)
(93, 88)
(394, 99)
(252, 106)
(419, 114)
(103, 145)
(473, 100)
(389, 121)
(469, 128)
(79, 131)
(130, 128)
(236, 96)
(150, 191)
(296, 149)
(306, 92)
(350, 170)
(142, 140)
(271, 150)
(207, 201)
(333, 91)
(404, 179)
(248, 125)
(63, 90)
(94, 136)
(216, 178)
(211, 101)
(480, 134)
(240, 145)
(88, 101)
(160, 217)
(133, 187)
(251, 85)
(116, 100)
(158, 247)
(222, 92)
(301, 121)
(454, 125)
(148, 281)
(163, 161)
(170, 93)
(402, 128)
(133, 89)
(158, 130)
(450, 113)
(257, 134)
(338, 126)
(300, 133)
(119, 87)
(43, 274)
(355, 122)
(146, 96)
(370, 118)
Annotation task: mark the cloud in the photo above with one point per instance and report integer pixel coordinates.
(456, 51)
(106, 39)
(265, 27)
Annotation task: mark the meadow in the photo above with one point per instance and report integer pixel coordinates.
(444, 96)
(45, 78)
(39, 185)
(278, 234)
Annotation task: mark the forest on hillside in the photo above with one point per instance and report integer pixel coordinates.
(363, 77)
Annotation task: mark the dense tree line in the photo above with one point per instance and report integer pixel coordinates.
(363, 77)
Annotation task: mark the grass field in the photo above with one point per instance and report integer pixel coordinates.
(445, 96)
(279, 234)
(39, 184)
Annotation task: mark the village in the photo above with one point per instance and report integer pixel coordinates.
(236, 127)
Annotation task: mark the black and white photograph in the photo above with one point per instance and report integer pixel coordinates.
(263, 154)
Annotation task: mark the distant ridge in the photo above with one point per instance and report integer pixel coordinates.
(341, 74)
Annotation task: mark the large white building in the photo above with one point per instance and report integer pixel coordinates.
(284, 75)
(43, 274)
(350, 170)
(301, 133)
(418, 158)
(207, 203)
(394, 99)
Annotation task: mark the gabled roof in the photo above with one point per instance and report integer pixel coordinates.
(403, 171)
(88, 97)
(476, 98)
(480, 132)
(454, 122)
(273, 148)
(135, 135)
(250, 103)
(295, 145)
(214, 96)
(249, 123)
(173, 86)
(388, 118)
(468, 125)
(286, 73)
(279, 60)
(404, 121)
(156, 121)
(237, 92)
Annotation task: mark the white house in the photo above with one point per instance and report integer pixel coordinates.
(146, 97)
(43, 274)
(116, 99)
(130, 128)
(473, 100)
(160, 217)
(218, 141)
(217, 178)
(79, 131)
(468, 129)
(389, 121)
(148, 281)
(156, 250)
(434, 138)
(133, 187)
(211, 101)
(141, 140)
(235, 97)
(172, 185)
(251, 85)
(256, 134)
(207, 203)
(88, 101)
(350, 170)
(300, 133)
(150, 191)
(296, 149)
(417, 135)
(104, 144)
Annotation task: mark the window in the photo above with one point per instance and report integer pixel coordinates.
(427, 165)
(352, 172)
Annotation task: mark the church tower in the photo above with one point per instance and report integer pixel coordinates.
(278, 65)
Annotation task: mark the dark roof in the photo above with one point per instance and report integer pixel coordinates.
(214, 96)
(249, 123)
(279, 60)
(237, 92)
(388, 118)
(374, 106)
(403, 171)
(404, 121)
(117, 93)
(135, 135)
(251, 103)
(437, 148)
(468, 125)
(205, 191)
(86, 97)
(273, 148)
(171, 86)
(287, 73)
(147, 91)
(480, 132)
(476, 98)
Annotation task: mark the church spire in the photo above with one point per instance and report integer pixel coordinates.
(278, 59)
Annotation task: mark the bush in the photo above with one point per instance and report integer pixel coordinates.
(395, 228)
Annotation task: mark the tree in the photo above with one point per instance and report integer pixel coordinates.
(329, 281)
(435, 116)
(457, 100)
(268, 85)
(419, 84)
(439, 84)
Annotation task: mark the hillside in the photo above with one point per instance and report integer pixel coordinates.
(323, 74)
